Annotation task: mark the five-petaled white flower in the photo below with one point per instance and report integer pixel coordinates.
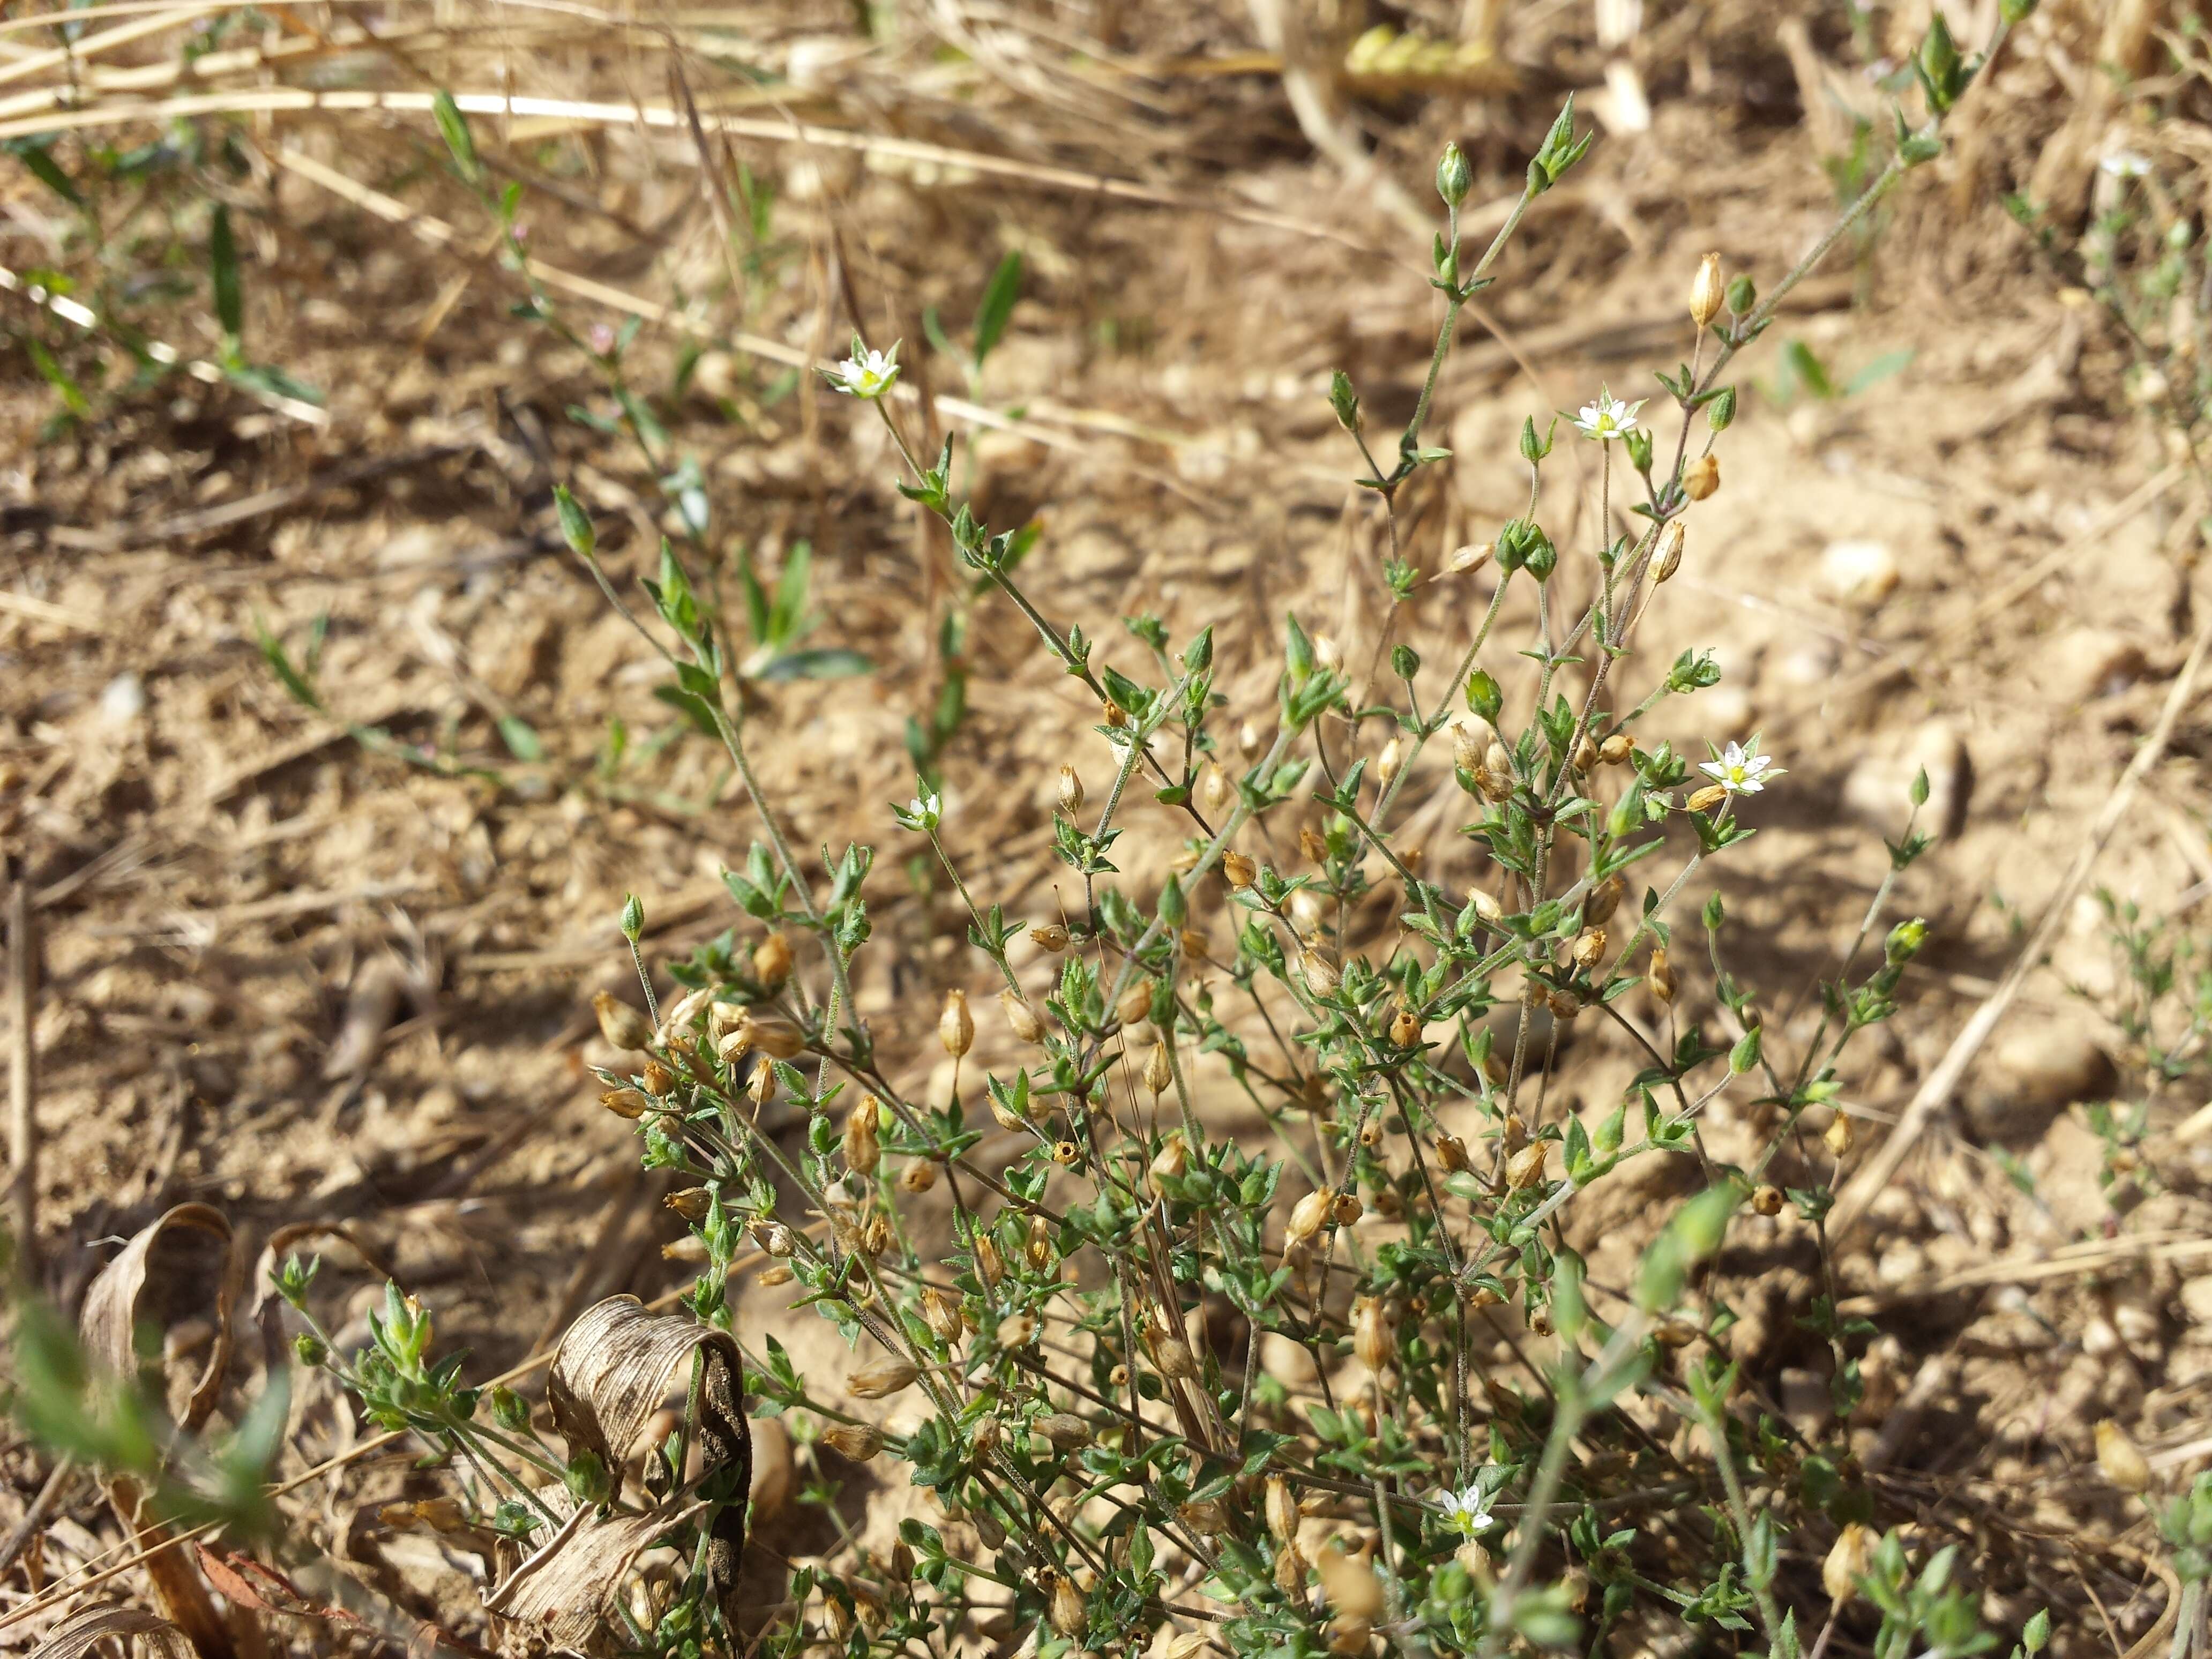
(1607, 418)
(1739, 771)
(2125, 164)
(926, 806)
(1468, 1510)
(866, 373)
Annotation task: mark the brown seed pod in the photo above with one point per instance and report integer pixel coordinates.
(659, 1080)
(1309, 1215)
(1838, 1135)
(857, 1442)
(1346, 1209)
(880, 1378)
(956, 1026)
(621, 1025)
(863, 1151)
(1525, 1168)
(1405, 1028)
(1049, 936)
(1159, 1069)
(1134, 1006)
(1707, 288)
(1065, 1153)
(1070, 790)
(1021, 1018)
(1702, 476)
(1238, 871)
(1659, 978)
(1067, 1431)
(1768, 1200)
(1451, 1153)
(692, 1203)
(626, 1103)
(919, 1176)
(772, 960)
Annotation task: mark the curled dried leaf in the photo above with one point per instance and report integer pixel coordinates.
(566, 1588)
(82, 1633)
(615, 1368)
(109, 1322)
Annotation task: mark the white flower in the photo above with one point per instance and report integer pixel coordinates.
(1607, 418)
(2125, 164)
(926, 806)
(1468, 1510)
(1739, 771)
(866, 373)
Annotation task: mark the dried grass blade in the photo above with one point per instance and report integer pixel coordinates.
(82, 1633)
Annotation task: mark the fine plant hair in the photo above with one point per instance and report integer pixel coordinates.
(1079, 1345)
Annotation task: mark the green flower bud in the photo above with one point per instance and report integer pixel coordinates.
(1454, 177)
(1344, 401)
(1742, 295)
(1405, 661)
(1173, 910)
(1720, 412)
(310, 1349)
(1905, 940)
(1483, 696)
(632, 917)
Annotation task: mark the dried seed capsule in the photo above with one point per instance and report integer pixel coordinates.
(1590, 947)
(1370, 1132)
(1705, 800)
(1217, 792)
(1388, 762)
(779, 1039)
(621, 1025)
(1849, 1559)
(1069, 1615)
(1451, 1153)
(1290, 1571)
(1838, 1135)
(773, 1239)
(857, 1442)
(1066, 1154)
(1238, 871)
(1322, 979)
(1604, 899)
(1659, 977)
(1067, 1431)
(881, 1378)
(1282, 1509)
(1070, 790)
(1049, 936)
(919, 1176)
(1172, 1159)
(773, 1275)
(692, 1203)
(659, 1080)
(1372, 1340)
(1496, 774)
(941, 1314)
(1707, 289)
(1702, 476)
(863, 1151)
(1327, 653)
(1405, 1028)
(989, 1262)
(772, 960)
(760, 1087)
(876, 1236)
(956, 1026)
(676, 1019)
(1585, 753)
(1347, 1209)
(1525, 1168)
(1471, 557)
(1159, 1069)
(1767, 1199)
(626, 1103)
(1248, 740)
(1309, 1215)
(1134, 1006)
(1313, 847)
(1042, 1253)
(1003, 1113)
(1020, 1017)
(1667, 558)
(1616, 748)
(1194, 947)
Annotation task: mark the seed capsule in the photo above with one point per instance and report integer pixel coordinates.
(621, 1025)
(919, 1176)
(1169, 1161)
(1194, 947)
(1525, 1168)
(1707, 289)
(1049, 936)
(1768, 1200)
(1282, 1509)
(880, 1378)
(956, 1026)
(1590, 947)
(1496, 774)
(1616, 748)
(1312, 846)
(1322, 979)
(1372, 1340)
(862, 1149)
(760, 1087)
(1134, 1004)
(772, 960)
(1473, 556)
(1702, 477)
(1388, 762)
(1216, 793)
(988, 1263)
(1848, 1561)
(1071, 791)
(1160, 1070)
(625, 1103)
(1604, 898)
(1585, 754)
(1309, 1215)
(1066, 1154)
(856, 1441)
(1067, 1431)
(1838, 1135)
(1451, 1153)
(773, 1239)
(1705, 800)
(692, 1203)
(676, 1019)
(1238, 871)
(1666, 557)
(1041, 1252)
(1021, 1018)
(1659, 977)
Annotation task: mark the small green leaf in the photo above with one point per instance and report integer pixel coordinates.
(223, 257)
(453, 128)
(998, 306)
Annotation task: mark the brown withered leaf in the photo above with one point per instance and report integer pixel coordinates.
(564, 1590)
(614, 1370)
(109, 1322)
(80, 1634)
